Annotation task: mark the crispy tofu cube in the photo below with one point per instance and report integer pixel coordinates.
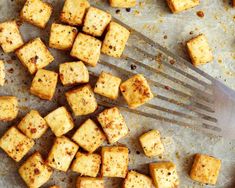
(199, 50)
(85, 182)
(44, 84)
(60, 121)
(33, 125)
(62, 153)
(114, 162)
(36, 12)
(177, 6)
(151, 143)
(89, 136)
(108, 85)
(164, 174)
(87, 49)
(122, 3)
(62, 36)
(233, 3)
(2, 73)
(113, 124)
(115, 40)
(15, 144)
(136, 91)
(73, 73)
(205, 169)
(82, 100)
(10, 38)
(8, 108)
(54, 186)
(74, 11)
(96, 21)
(34, 55)
(86, 164)
(137, 180)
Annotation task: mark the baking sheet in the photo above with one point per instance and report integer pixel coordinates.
(153, 19)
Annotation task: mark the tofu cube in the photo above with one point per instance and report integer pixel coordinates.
(89, 136)
(74, 11)
(87, 49)
(96, 21)
(136, 91)
(164, 174)
(82, 100)
(10, 37)
(137, 180)
(151, 143)
(34, 55)
(62, 153)
(199, 50)
(8, 108)
(115, 40)
(54, 186)
(122, 3)
(205, 169)
(113, 124)
(72, 73)
(44, 84)
(108, 85)
(233, 3)
(2, 73)
(85, 182)
(34, 172)
(15, 144)
(177, 6)
(36, 12)
(62, 36)
(114, 162)
(86, 164)
(33, 125)
(60, 121)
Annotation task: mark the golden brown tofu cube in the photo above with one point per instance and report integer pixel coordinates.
(10, 37)
(96, 21)
(199, 50)
(122, 3)
(85, 182)
(114, 162)
(205, 169)
(89, 136)
(36, 12)
(8, 108)
(115, 40)
(181, 5)
(233, 3)
(34, 55)
(74, 11)
(108, 85)
(72, 73)
(33, 125)
(54, 186)
(2, 73)
(15, 144)
(44, 84)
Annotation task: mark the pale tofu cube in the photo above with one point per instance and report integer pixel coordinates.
(164, 174)
(34, 172)
(62, 36)
(60, 121)
(177, 6)
(89, 136)
(122, 3)
(15, 144)
(2, 73)
(36, 12)
(137, 180)
(87, 49)
(199, 50)
(34, 55)
(96, 21)
(205, 169)
(72, 73)
(108, 85)
(82, 100)
(74, 11)
(86, 164)
(115, 40)
(136, 91)
(114, 162)
(44, 84)
(10, 37)
(113, 124)
(33, 125)
(62, 154)
(8, 108)
(86, 182)
(151, 143)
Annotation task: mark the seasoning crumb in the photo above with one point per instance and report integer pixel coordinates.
(200, 14)
(118, 11)
(128, 9)
(165, 37)
(133, 67)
